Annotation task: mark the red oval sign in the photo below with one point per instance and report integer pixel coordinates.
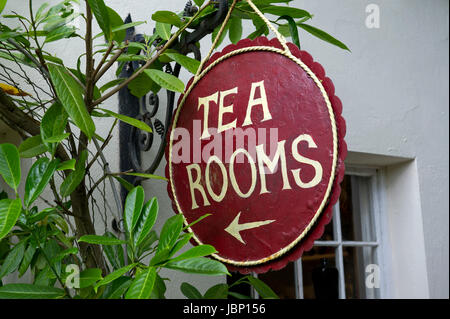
(257, 142)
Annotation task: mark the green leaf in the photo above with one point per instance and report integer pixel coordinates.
(167, 17)
(100, 240)
(10, 165)
(184, 239)
(219, 291)
(9, 213)
(146, 244)
(59, 33)
(71, 96)
(52, 250)
(53, 124)
(100, 12)
(64, 254)
(117, 27)
(170, 232)
(127, 26)
(133, 208)
(238, 295)
(263, 290)
(129, 57)
(2, 5)
(260, 25)
(199, 3)
(165, 80)
(29, 291)
(118, 288)
(197, 251)
(67, 165)
(32, 146)
(53, 59)
(71, 182)
(143, 84)
(259, 31)
(127, 185)
(235, 31)
(39, 176)
(27, 257)
(196, 221)
(322, 35)
(45, 277)
(58, 138)
(114, 275)
(90, 276)
(74, 178)
(199, 265)
(292, 29)
(114, 253)
(163, 30)
(222, 36)
(146, 221)
(142, 285)
(149, 176)
(129, 120)
(59, 221)
(289, 11)
(160, 257)
(40, 12)
(111, 84)
(267, 2)
(190, 64)
(159, 288)
(190, 291)
(40, 215)
(12, 261)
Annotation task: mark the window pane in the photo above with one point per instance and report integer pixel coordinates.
(320, 277)
(346, 209)
(356, 260)
(281, 281)
(328, 232)
(354, 205)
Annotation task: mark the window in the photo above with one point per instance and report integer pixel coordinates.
(346, 261)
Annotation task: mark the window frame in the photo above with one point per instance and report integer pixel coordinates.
(376, 205)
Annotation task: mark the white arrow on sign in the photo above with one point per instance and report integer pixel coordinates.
(234, 228)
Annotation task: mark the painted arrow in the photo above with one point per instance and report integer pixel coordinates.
(235, 228)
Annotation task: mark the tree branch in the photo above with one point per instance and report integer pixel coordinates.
(108, 64)
(20, 119)
(105, 56)
(149, 62)
(89, 59)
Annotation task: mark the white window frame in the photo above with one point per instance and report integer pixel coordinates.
(375, 205)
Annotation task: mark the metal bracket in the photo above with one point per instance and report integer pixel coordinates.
(134, 141)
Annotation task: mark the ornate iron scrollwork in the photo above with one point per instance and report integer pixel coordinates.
(134, 141)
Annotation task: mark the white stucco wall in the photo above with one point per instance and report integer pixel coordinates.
(394, 88)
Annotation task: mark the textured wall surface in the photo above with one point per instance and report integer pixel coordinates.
(394, 88)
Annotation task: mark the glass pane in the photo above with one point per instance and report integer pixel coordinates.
(346, 209)
(354, 204)
(356, 261)
(328, 232)
(320, 276)
(281, 281)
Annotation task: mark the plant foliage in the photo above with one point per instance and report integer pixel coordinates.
(48, 229)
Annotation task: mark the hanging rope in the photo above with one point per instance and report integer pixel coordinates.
(287, 53)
